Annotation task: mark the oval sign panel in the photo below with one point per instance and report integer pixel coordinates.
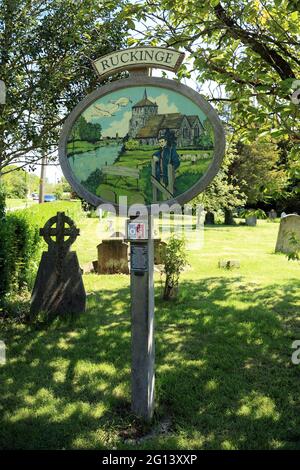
(150, 139)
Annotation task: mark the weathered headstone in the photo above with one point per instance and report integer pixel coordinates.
(272, 214)
(88, 268)
(159, 250)
(251, 220)
(112, 257)
(58, 288)
(290, 224)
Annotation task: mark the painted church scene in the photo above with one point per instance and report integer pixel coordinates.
(150, 144)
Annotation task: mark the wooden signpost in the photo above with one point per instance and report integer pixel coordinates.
(138, 137)
(142, 317)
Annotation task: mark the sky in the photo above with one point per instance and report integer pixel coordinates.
(114, 111)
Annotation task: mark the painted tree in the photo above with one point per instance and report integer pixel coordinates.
(46, 48)
(88, 131)
(205, 140)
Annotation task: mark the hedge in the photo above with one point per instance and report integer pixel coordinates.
(40, 213)
(21, 245)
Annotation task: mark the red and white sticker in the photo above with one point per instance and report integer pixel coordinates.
(136, 231)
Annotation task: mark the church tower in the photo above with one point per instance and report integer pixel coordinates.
(141, 112)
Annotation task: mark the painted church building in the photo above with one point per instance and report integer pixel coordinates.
(147, 126)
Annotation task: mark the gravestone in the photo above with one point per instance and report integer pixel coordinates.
(58, 288)
(112, 257)
(88, 268)
(159, 250)
(251, 220)
(272, 214)
(290, 224)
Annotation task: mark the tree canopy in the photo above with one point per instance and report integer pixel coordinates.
(258, 172)
(249, 48)
(46, 48)
(18, 183)
(247, 55)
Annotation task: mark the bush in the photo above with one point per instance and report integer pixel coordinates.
(21, 245)
(19, 248)
(174, 260)
(258, 213)
(58, 191)
(40, 213)
(131, 144)
(295, 247)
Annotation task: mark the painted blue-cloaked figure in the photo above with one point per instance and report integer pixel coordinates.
(163, 157)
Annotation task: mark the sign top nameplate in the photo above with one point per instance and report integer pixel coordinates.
(138, 57)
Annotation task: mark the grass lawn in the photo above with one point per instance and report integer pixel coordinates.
(19, 203)
(224, 377)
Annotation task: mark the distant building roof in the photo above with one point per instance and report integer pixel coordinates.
(144, 102)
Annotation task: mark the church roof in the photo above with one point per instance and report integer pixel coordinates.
(172, 121)
(194, 118)
(161, 121)
(152, 127)
(144, 101)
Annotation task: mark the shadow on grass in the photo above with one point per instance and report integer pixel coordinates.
(60, 382)
(224, 372)
(224, 352)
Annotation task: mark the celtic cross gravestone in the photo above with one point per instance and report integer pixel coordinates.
(58, 288)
